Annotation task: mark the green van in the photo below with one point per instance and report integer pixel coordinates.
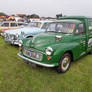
(65, 40)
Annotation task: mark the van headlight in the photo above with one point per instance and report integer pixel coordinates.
(49, 51)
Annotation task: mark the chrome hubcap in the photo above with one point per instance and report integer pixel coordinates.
(65, 63)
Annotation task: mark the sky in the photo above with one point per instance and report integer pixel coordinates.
(47, 8)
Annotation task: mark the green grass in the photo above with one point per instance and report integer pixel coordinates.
(17, 76)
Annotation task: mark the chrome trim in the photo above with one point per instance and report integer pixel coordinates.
(36, 50)
(1, 34)
(38, 63)
(32, 50)
(14, 42)
(8, 41)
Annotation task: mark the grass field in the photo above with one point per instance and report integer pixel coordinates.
(16, 76)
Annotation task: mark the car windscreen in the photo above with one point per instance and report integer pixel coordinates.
(44, 26)
(62, 27)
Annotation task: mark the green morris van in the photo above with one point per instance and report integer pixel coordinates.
(65, 40)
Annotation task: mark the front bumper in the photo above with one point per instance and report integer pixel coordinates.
(8, 41)
(17, 42)
(14, 42)
(2, 34)
(35, 62)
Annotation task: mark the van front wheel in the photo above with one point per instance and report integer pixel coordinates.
(64, 63)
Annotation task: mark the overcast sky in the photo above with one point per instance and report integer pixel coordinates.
(47, 7)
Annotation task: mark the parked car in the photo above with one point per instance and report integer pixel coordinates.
(10, 25)
(15, 36)
(65, 40)
(20, 24)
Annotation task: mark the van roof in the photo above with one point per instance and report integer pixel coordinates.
(75, 17)
(69, 20)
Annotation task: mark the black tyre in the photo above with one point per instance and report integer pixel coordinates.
(90, 52)
(64, 63)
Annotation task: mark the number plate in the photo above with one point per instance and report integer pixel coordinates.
(32, 54)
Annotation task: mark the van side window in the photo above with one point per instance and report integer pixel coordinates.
(89, 26)
(80, 29)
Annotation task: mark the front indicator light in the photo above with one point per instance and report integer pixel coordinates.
(48, 57)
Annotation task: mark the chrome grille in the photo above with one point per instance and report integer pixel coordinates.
(33, 54)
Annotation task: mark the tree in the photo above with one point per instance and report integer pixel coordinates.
(34, 16)
(2, 14)
(28, 16)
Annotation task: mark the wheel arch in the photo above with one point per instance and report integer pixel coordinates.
(71, 53)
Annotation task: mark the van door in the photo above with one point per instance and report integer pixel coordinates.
(89, 49)
(81, 39)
